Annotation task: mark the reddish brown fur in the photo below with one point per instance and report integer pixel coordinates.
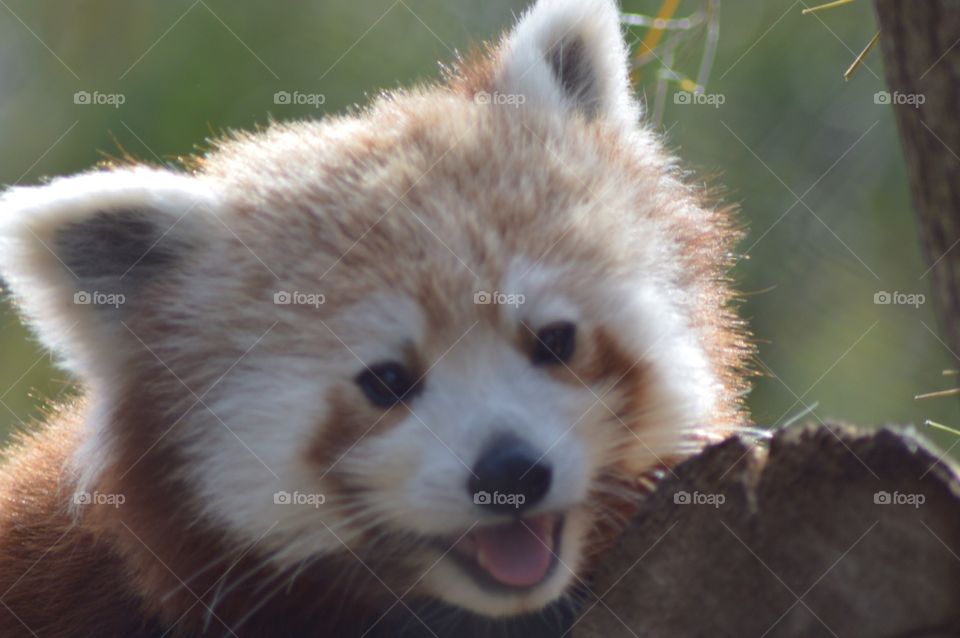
(56, 576)
(136, 570)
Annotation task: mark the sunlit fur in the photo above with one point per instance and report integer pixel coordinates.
(205, 398)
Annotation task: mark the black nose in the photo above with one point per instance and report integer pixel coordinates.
(510, 477)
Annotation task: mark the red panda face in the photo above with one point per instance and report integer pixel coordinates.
(439, 340)
(485, 444)
(472, 448)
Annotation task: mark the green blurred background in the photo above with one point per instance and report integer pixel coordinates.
(789, 127)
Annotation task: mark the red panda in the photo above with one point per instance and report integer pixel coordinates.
(407, 359)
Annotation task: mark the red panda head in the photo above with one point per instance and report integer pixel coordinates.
(439, 339)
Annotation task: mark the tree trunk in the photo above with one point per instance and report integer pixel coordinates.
(920, 41)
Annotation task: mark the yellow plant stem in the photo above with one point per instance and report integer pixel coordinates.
(652, 39)
(828, 5)
(860, 58)
(939, 395)
(940, 426)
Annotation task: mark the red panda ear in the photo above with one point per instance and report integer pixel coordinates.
(569, 55)
(81, 254)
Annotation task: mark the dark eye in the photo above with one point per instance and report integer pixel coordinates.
(385, 384)
(555, 343)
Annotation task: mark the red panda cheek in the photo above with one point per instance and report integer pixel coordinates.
(610, 363)
(349, 419)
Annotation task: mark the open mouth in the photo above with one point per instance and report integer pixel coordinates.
(520, 554)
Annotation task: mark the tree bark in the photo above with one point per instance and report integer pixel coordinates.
(831, 532)
(920, 40)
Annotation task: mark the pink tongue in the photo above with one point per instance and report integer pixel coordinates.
(517, 554)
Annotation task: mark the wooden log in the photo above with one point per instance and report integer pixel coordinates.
(830, 532)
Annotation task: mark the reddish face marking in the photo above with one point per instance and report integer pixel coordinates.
(350, 418)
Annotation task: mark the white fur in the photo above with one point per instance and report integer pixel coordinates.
(261, 424)
(44, 286)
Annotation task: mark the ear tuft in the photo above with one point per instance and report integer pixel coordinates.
(571, 64)
(114, 245)
(570, 56)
